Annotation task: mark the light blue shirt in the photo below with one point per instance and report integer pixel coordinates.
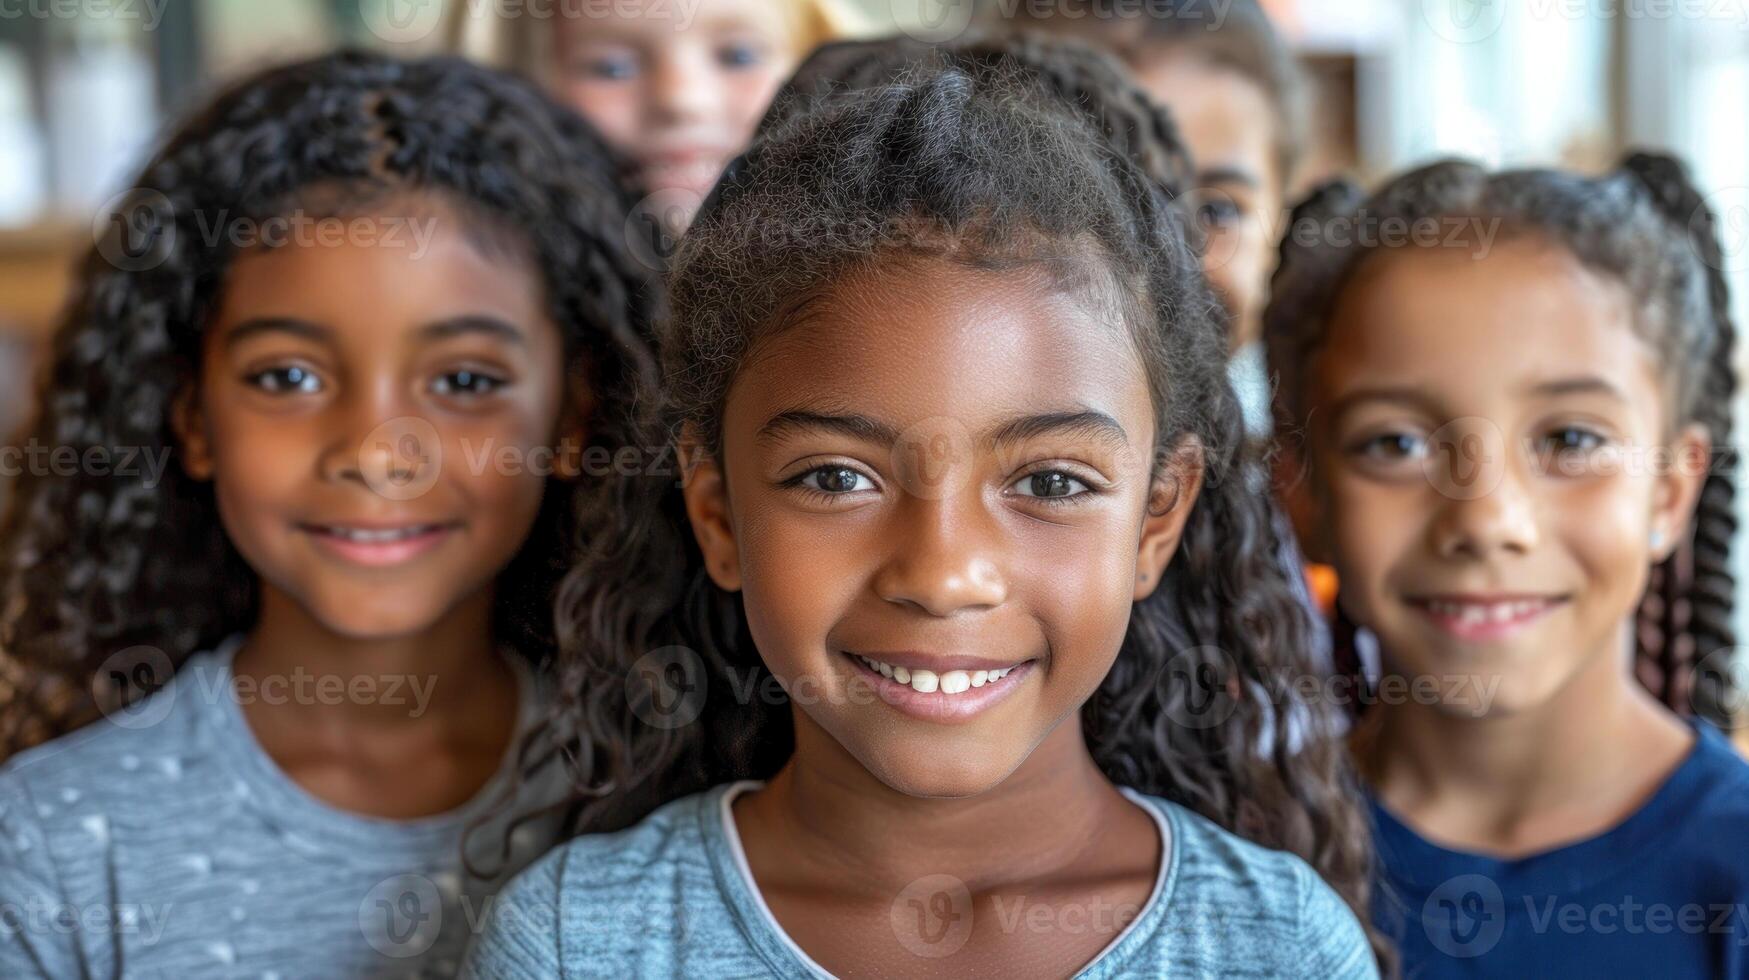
(165, 842)
(673, 897)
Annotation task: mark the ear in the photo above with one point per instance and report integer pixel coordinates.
(706, 490)
(576, 419)
(1678, 488)
(1294, 489)
(1170, 501)
(188, 423)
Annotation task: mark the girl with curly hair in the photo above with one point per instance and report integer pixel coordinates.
(974, 664)
(378, 318)
(1511, 393)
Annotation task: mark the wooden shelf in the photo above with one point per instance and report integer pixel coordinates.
(36, 270)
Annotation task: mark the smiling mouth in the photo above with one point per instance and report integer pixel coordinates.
(925, 681)
(377, 546)
(1485, 617)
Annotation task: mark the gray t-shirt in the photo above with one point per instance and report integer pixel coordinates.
(164, 842)
(673, 897)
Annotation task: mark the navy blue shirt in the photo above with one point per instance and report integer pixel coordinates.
(1665, 893)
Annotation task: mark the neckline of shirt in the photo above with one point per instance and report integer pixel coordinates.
(1408, 857)
(313, 825)
(774, 945)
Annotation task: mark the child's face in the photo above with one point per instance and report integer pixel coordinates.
(370, 416)
(679, 97)
(946, 470)
(1482, 433)
(1229, 126)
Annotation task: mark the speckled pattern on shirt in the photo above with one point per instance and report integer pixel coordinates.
(166, 843)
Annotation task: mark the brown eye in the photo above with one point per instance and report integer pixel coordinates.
(835, 479)
(1050, 484)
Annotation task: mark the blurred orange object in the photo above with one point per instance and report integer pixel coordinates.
(1321, 581)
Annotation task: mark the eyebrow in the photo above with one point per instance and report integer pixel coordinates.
(1229, 175)
(1088, 422)
(459, 326)
(1584, 385)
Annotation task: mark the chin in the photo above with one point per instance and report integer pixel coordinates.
(385, 618)
(927, 775)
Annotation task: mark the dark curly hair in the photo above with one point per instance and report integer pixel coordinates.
(1644, 225)
(94, 564)
(972, 156)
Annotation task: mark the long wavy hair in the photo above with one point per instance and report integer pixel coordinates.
(973, 159)
(1646, 226)
(92, 564)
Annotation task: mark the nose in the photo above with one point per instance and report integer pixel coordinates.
(374, 440)
(1501, 521)
(683, 87)
(945, 559)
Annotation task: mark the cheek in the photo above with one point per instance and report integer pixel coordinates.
(1373, 526)
(747, 95)
(1603, 525)
(798, 576)
(611, 109)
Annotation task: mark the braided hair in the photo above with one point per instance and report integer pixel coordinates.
(1644, 225)
(95, 564)
(970, 156)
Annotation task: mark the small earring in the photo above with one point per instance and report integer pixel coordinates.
(1657, 540)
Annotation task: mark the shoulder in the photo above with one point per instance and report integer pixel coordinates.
(1226, 888)
(113, 758)
(589, 897)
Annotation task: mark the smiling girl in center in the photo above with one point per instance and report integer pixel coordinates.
(951, 391)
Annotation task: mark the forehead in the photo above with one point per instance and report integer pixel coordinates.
(1467, 329)
(403, 261)
(933, 338)
(1224, 116)
(657, 20)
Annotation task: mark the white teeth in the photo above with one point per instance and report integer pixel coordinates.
(1477, 613)
(377, 537)
(929, 682)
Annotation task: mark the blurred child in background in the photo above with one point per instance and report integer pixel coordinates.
(676, 88)
(367, 322)
(1515, 422)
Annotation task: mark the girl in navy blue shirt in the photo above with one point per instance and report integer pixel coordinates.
(1510, 394)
